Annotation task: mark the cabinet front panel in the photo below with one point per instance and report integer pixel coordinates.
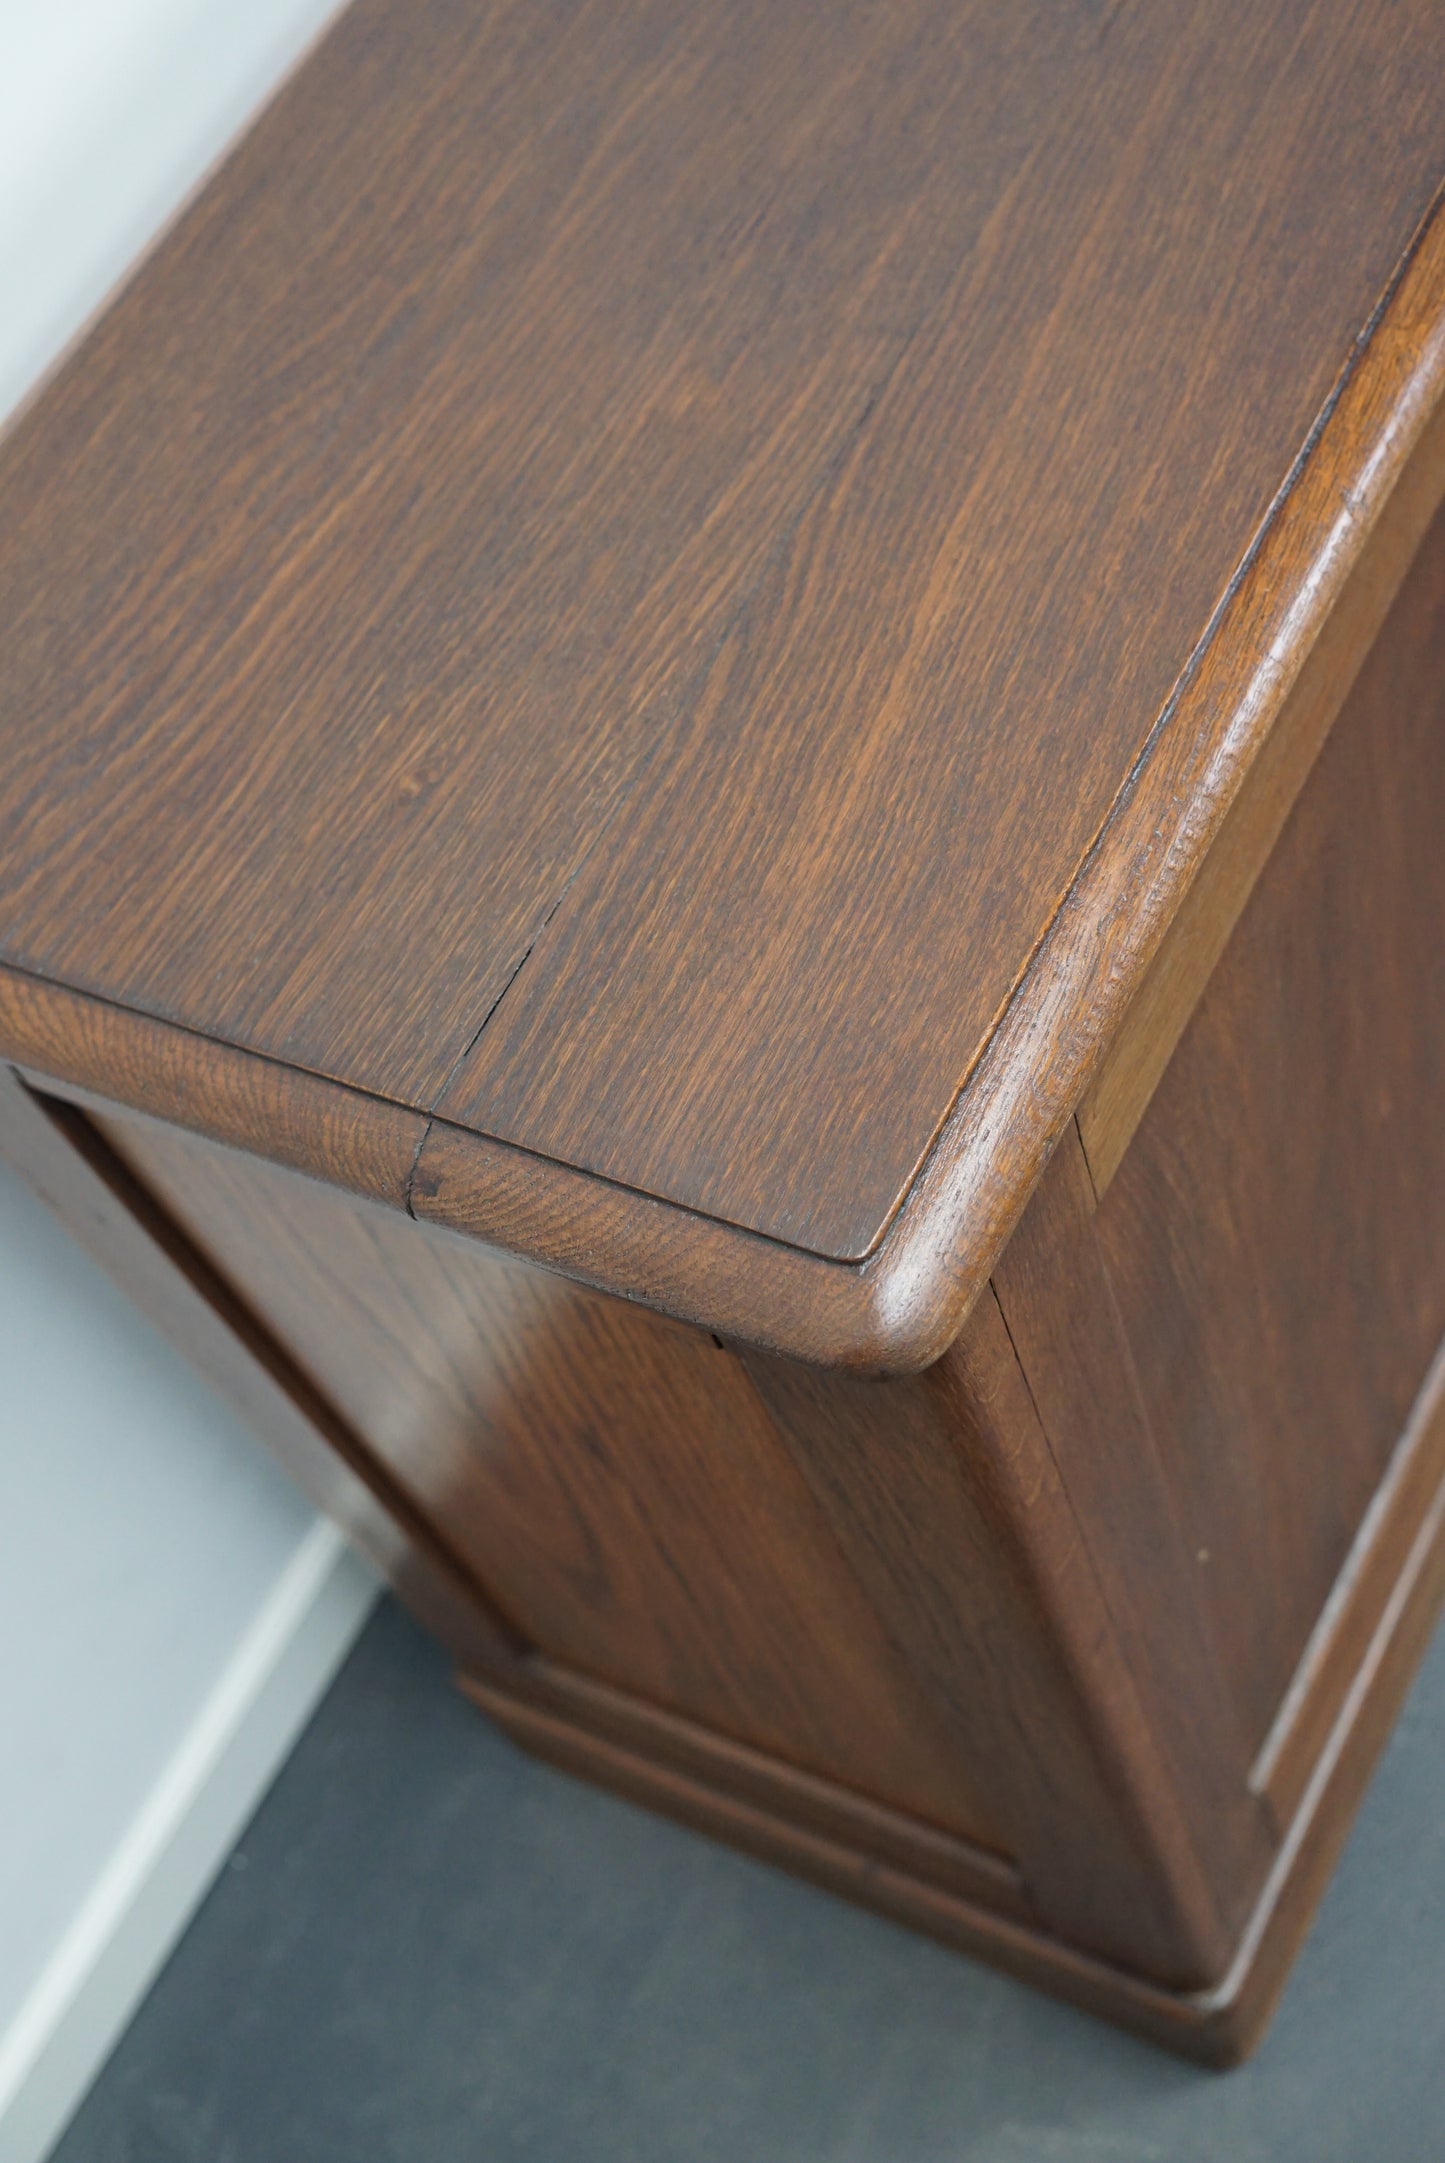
(1275, 1234)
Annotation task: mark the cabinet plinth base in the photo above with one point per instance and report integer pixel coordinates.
(1219, 2027)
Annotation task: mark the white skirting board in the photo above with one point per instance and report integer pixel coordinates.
(178, 1840)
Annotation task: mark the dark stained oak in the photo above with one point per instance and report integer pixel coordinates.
(1376, 1581)
(1058, 1305)
(359, 1142)
(941, 1491)
(69, 1159)
(722, 765)
(615, 563)
(1199, 932)
(902, 1308)
(1369, 1640)
(1275, 1234)
(763, 997)
(612, 1478)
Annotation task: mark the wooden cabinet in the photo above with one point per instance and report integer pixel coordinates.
(721, 866)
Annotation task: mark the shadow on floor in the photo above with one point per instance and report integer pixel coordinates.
(429, 1949)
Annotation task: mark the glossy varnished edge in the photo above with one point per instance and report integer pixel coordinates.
(1201, 925)
(309, 1124)
(901, 1308)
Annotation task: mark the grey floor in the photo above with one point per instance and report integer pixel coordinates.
(429, 1948)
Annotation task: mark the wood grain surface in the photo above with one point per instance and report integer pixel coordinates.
(1375, 1578)
(942, 1492)
(1220, 2025)
(763, 999)
(1058, 1306)
(612, 1479)
(1200, 931)
(608, 575)
(788, 660)
(1274, 1234)
(860, 1453)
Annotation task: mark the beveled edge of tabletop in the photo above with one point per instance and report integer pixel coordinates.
(899, 1309)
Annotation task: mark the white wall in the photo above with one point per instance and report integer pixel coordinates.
(110, 112)
(142, 1529)
(169, 1607)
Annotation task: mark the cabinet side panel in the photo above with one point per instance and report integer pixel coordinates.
(1275, 1233)
(611, 1477)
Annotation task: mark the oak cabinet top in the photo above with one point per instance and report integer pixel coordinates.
(633, 587)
